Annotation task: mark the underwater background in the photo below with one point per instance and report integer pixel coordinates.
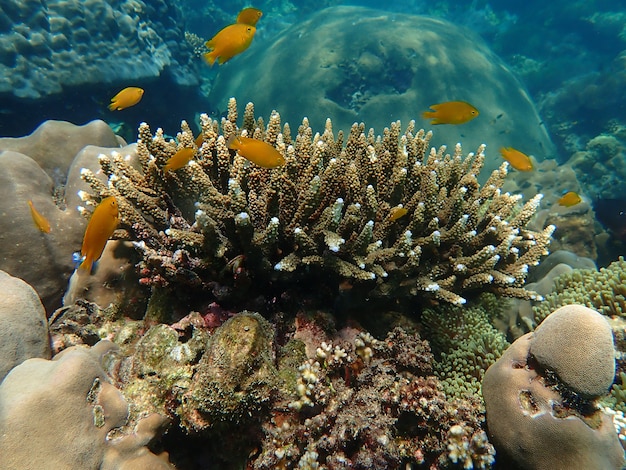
(312, 235)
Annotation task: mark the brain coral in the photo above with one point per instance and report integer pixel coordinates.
(357, 64)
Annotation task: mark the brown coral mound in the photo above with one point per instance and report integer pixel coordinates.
(328, 215)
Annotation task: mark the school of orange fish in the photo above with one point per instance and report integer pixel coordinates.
(227, 43)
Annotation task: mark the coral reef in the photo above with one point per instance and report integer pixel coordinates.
(542, 409)
(360, 64)
(247, 392)
(364, 404)
(44, 167)
(237, 231)
(65, 414)
(603, 290)
(576, 344)
(23, 326)
(576, 229)
(236, 377)
(465, 344)
(130, 39)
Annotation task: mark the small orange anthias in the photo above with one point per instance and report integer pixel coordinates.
(249, 16)
(40, 221)
(103, 222)
(179, 159)
(258, 152)
(518, 160)
(234, 38)
(570, 199)
(126, 98)
(451, 112)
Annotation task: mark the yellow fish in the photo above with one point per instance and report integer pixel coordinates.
(179, 159)
(229, 42)
(199, 140)
(518, 160)
(451, 112)
(126, 98)
(40, 221)
(103, 222)
(570, 199)
(249, 16)
(396, 212)
(257, 151)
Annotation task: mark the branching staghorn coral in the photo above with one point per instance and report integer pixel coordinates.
(382, 212)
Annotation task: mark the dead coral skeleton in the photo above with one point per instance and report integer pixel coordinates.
(332, 209)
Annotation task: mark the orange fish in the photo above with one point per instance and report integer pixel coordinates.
(249, 16)
(40, 221)
(396, 212)
(229, 42)
(570, 199)
(518, 160)
(103, 222)
(179, 159)
(199, 140)
(126, 98)
(451, 112)
(258, 152)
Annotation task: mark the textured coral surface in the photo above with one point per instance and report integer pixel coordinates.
(225, 225)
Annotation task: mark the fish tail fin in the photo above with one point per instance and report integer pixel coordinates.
(87, 264)
(233, 142)
(112, 106)
(428, 114)
(210, 58)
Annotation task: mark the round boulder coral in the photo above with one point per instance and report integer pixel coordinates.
(531, 421)
(576, 343)
(361, 64)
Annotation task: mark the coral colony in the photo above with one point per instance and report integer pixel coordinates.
(384, 213)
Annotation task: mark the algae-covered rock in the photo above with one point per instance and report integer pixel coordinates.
(235, 377)
(358, 64)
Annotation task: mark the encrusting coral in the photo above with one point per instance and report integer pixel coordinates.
(464, 342)
(603, 290)
(330, 213)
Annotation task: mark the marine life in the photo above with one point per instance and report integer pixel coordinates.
(451, 112)
(396, 212)
(179, 159)
(126, 98)
(199, 140)
(230, 41)
(249, 16)
(40, 221)
(518, 160)
(258, 152)
(103, 222)
(569, 199)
